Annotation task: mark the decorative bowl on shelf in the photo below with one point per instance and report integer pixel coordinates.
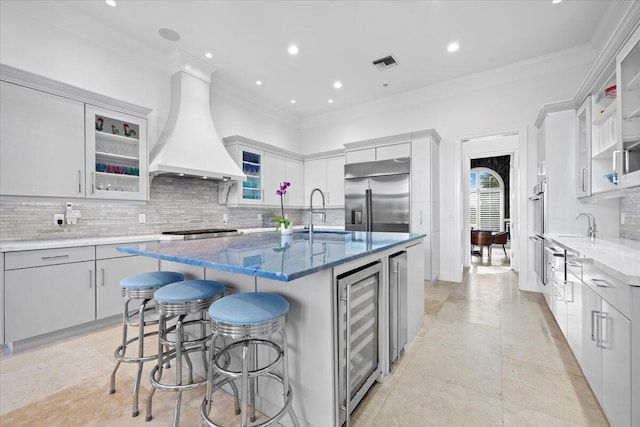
(610, 92)
(612, 177)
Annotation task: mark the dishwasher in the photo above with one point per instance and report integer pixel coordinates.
(397, 305)
(358, 361)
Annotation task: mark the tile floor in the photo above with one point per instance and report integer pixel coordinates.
(487, 355)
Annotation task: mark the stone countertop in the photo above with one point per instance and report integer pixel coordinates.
(29, 245)
(272, 255)
(616, 256)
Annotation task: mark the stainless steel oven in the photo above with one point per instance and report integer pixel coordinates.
(539, 229)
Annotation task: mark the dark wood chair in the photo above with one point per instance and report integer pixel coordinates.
(501, 239)
(482, 239)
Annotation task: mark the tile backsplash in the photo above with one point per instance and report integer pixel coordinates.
(175, 204)
(630, 207)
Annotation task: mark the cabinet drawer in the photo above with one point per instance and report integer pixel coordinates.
(612, 290)
(574, 264)
(110, 251)
(43, 257)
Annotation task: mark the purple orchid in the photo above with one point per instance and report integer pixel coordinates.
(280, 220)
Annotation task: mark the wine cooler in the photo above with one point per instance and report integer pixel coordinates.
(358, 336)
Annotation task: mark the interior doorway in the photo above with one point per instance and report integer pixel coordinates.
(490, 183)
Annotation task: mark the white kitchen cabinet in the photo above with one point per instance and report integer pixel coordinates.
(327, 174)
(294, 173)
(116, 155)
(583, 149)
(415, 290)
(559, 305)
(42, 143)
(606, 351)
(393, 151)
(381, 152)
(425, 196)
(359, 156)
(111, 268)
(616, 366)
(627, 154)
(274, 176)
(191, 272)
(42, 299)
(266, 167)
(573, 292)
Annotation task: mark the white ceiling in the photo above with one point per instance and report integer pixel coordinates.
(339, 39)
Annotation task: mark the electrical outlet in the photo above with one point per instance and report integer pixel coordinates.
(225, 218)
(259, 217)
(58, 219)
(286, 216)
(142, 218)
(623, 218)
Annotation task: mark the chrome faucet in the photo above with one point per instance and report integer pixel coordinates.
(592, 230)
(313, 211)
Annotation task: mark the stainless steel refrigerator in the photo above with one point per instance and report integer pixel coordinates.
(377, 195)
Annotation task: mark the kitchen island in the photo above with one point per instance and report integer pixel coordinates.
(305, 268)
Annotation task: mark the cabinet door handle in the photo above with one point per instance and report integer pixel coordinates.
(48, 258)
(583, 178)
(602, 330)
(593, 316)
(79, 181)
(420, 216)
(90, 278)
(328, 198)
(626, 161)
(601, 283)
(573, 264)
(93, 185)
(102, 277)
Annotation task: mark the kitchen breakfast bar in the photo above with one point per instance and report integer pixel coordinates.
(313, 271)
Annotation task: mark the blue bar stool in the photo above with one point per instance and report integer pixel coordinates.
(139, 287)
(180, 300)
(245, 318)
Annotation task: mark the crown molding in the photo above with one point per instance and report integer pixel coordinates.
(324, 154)
(565, 59)
(554, 107)
(35, 81)
(392, 139)
(237, 139)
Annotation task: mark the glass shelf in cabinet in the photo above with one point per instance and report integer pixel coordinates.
(115, 137)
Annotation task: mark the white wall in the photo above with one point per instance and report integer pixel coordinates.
(50, 40)
(508, 99)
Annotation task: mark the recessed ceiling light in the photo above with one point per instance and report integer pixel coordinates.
(181, 174)
(293, 101)
(111, 3)
(330, 101)
(293, 49)
(259, 82)
(555, 1)
(453, 47)
(337, 84)
(208, 55)
(385, 84)
(204, 177)
(168, 34)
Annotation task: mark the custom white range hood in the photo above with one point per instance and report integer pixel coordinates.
(189, 144)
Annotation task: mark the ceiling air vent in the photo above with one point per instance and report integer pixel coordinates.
(384, 63)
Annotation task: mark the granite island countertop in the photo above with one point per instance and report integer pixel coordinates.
(616, 256)
(272, 255)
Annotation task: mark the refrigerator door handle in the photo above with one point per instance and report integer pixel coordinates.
(369, 209)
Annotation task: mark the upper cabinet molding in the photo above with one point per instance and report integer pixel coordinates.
(395, 139)
(324, 154)
(605, 62)
(25, 78)
(553, 107)
(237, 139)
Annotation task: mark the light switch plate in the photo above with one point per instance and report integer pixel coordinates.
(142, 218)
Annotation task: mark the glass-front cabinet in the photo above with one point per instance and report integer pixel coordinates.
(583, 138)
(627, 155)
(116, 151)
(252, 160)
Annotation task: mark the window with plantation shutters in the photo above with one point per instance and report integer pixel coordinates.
(486, 198)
